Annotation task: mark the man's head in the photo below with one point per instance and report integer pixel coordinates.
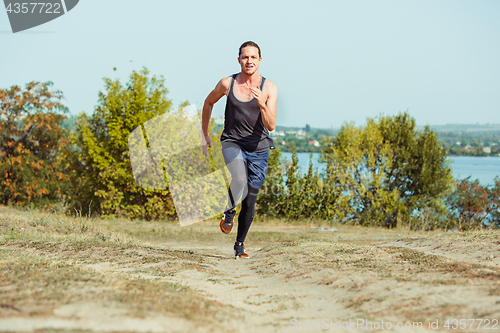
(249, 43)
(249, 57)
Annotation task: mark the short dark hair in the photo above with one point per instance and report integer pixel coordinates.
(249, 43)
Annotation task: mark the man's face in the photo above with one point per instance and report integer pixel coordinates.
(249, 59)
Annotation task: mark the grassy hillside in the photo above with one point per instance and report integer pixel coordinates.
(75, 274)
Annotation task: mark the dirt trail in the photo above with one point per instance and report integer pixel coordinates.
(274, 288)
(323, 281)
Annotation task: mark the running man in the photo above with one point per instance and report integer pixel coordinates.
(249, 116)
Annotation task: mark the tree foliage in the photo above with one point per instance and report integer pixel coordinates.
(270, 198)
(100, 163)
(359, 163)
(31, 135)
(296, 197)
(473, 206)
(386, 173)
(382, 174)
(419, 172)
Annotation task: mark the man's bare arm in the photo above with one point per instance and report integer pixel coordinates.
(268, 108)
(220, 90)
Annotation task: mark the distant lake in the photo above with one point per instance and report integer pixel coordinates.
(483, 168)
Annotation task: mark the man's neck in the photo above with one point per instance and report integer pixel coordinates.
(251, 80)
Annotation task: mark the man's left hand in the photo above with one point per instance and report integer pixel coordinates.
(259, 96)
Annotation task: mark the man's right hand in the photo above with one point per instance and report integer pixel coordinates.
(220, 90)
(205, 140)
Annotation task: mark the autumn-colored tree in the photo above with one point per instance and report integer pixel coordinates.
(31, 133)
(474, 206)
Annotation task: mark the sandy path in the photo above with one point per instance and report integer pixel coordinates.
(270, 290)
(326, 282)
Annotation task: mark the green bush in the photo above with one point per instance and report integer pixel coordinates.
(270, 197)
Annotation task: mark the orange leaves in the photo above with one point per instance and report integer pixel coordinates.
(472, 205)
(31, 140)
(43, 191)
(36, 165)
(60, 176)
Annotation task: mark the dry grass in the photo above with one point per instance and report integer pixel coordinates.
(49, 260)
(36, 285)
(45, 262)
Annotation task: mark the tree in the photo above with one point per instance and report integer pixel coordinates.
(472, 206)
(387, 172)
(312, 193)
(271, 194)
(419, 170)
(293, 203)
(100, 161)
(301, 196)
(358, 163)
(31, 134)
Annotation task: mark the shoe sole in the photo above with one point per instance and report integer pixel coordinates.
(242, 257)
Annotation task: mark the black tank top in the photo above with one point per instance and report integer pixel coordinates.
(243, 123)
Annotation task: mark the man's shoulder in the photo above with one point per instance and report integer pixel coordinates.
(223, 85)
(271, 83)
(226, 81)
(270, 86)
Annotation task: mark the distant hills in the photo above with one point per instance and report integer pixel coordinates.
(448, 128)
(452, 128)
(457, 139)
(470, 128)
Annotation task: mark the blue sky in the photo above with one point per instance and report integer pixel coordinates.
(333, 61)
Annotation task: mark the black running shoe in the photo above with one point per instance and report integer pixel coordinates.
(239, 251)
(226, 224)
